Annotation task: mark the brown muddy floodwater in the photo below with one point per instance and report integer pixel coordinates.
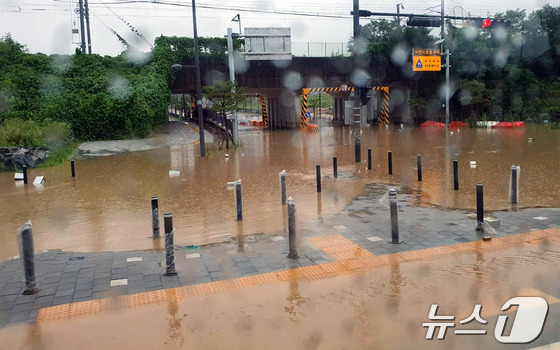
(383, 308)
(107, 206)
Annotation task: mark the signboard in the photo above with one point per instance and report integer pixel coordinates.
(426, 63)
(426, 52)
(268, 43)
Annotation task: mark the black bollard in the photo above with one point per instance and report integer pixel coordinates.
(514, 191)
(25, 238)
(238, 199)
(24, 168)
(335, 167)
(293, 253)
(479, 207)
(318, 173)
(73, 168)
(369, 158)
(155, 217)
(169, 246)
(282, 177)
(357, 145)
(390, 158)
(394, 217)
(455, 174)
(419, 166)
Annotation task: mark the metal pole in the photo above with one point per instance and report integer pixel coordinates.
(318, 173)
(357, 143)
(394, 217)
(320, 117)
(357, 102)
(25, 240)
(399, 15)
(390, 159)
(238, 200)
(447, 88)
(169, 246)
(24, 168)
(73, 168)
(455, 175)
(369, 158)
(87, 25)
(198, 84)
(419, 166)
(82, 30)
(155, 217)
(282, 177)
(293, 253)
(514, 184)
(335, 167)
(235, 124)
(479, 206)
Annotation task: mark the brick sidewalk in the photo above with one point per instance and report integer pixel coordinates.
(362, 228)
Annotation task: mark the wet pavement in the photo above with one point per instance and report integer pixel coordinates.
(93, 232)
(381, 306)
(361, 229)
(174, 133)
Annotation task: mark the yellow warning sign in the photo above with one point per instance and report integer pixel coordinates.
(426, 63)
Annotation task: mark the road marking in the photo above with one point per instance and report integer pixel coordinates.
(121, 282)
(355, 264)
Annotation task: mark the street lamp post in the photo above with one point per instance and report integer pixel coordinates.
(198, 84)
(199, 106)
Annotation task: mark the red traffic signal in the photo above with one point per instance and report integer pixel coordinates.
(486, 23)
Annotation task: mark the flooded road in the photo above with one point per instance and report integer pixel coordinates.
(383, 308)
(107, 206)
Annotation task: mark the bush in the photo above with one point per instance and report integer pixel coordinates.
(18, 132)
(56, 134)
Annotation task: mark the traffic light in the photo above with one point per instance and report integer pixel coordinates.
(488, 23)
(423, 21)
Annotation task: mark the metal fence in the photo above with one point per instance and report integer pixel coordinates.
(320, 49)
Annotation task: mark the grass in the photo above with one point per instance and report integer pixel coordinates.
(59, 156)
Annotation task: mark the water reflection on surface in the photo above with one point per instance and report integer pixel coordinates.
(383, 308)
(107, 207)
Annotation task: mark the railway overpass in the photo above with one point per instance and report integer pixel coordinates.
(285, 84)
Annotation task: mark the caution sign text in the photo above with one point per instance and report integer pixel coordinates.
(426, 63)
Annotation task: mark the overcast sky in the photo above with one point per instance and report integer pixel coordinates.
(46, 25)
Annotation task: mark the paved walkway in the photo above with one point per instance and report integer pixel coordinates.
(174, 134)
(361, 229)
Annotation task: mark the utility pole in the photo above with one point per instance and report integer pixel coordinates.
(87, 25)
(82, 30)
(357, 101)
(198, 84)
(446, 63)
(235, 124)
(399, 6)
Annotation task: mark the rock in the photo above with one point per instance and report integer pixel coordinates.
(17, 157)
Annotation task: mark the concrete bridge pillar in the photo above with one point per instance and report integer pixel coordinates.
(282, 113)
(338, 108)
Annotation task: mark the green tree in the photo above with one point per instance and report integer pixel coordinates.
(225, 96)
